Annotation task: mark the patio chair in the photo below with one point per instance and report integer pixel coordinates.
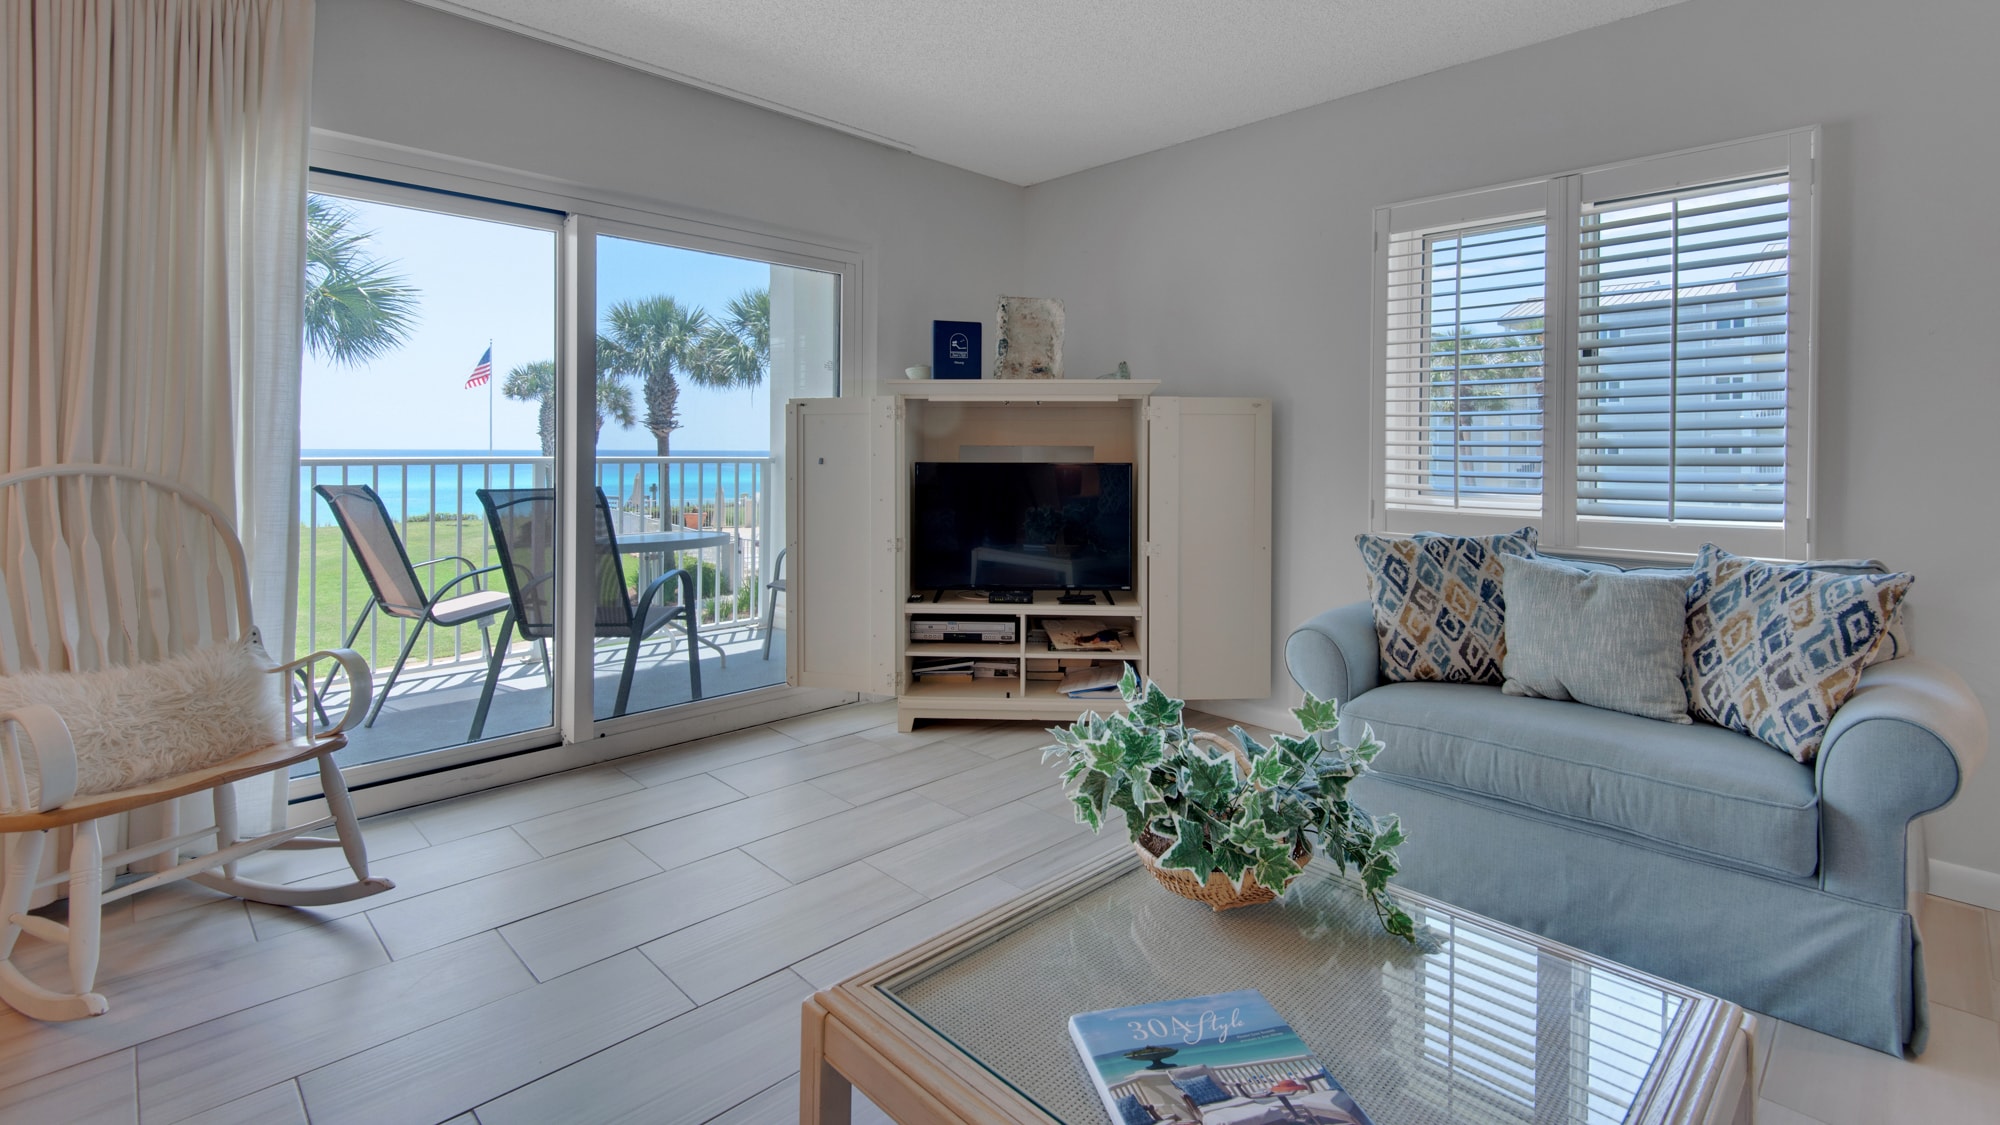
(152, 685)
(525, 532)
(393, 586)
(772, 589)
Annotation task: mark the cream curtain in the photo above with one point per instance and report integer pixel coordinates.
(152, 241)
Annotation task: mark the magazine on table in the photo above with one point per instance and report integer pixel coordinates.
(1228, 1059)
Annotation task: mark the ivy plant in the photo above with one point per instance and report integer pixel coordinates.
(1213, 814)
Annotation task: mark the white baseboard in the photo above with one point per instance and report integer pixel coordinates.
(1965, 884)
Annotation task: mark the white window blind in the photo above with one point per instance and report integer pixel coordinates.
(1621, 356)
(1682, 355)
(1463, 423)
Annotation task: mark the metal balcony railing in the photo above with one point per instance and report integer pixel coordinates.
(433, 500)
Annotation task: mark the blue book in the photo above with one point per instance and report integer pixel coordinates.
(954, 349)
(1227, 1056)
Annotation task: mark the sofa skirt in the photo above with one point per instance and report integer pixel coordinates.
(1780, 947)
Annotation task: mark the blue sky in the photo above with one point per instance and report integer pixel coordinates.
(481, 281)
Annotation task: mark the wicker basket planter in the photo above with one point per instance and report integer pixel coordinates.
(1219, 893)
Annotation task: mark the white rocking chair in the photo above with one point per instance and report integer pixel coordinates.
(138, 569)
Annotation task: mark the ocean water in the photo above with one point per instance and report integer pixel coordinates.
(418, 490)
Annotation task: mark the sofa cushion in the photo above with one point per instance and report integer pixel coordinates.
(1773, 651)
(1439, 611)
(1608, 640)
(1698, 787)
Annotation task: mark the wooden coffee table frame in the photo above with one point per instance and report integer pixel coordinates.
(853, 1035)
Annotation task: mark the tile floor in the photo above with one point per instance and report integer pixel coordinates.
(632, 941)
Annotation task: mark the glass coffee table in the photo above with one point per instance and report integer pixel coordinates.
(1479, 1023)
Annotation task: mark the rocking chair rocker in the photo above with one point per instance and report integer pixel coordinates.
(138, 570)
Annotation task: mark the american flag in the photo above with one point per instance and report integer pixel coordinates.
(483, 372)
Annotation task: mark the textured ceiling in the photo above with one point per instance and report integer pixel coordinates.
(1028, 90)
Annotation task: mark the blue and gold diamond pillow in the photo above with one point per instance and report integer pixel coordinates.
(1772, 651)
(1439, 614)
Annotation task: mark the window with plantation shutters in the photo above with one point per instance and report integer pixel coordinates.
(1620, 356)
(1682, 356)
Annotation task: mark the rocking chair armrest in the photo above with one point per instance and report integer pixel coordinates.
(653, 590)
(55, 758)
(360, 686)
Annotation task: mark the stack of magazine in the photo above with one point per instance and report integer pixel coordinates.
(1096, 680)
(1224, 1058)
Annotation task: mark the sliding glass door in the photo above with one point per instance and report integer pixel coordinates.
(453, 466)
(428, 399)
(696, 354)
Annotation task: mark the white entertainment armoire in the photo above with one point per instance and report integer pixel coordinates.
(1198, 619)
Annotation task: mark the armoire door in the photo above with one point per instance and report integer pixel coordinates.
(1208, 555)
(841, 459)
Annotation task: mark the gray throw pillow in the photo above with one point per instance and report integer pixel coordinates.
(1606, 639)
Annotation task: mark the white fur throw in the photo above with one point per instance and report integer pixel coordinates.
(137, 724)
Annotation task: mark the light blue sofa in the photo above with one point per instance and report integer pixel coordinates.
(1691, 852)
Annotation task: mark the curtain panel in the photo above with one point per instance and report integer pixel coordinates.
(152, 243)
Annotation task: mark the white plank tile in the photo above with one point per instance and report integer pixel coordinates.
(1955, 955)
(1065, 856)
(1956, 1079)
(838, 840)
(444, 916)
(142, 943)
(482, 812)
(99, 1091)
(726, 952)
(897, 774)
(241, 1053)
(1771, 1113)
(657, 767)
(688, 1069)
(164, 999)
(717, 830)
(956, 854)
(821, 758)
(446, 1068)
(994, 783)
(569, 937)
(817, 726)
(830, 966)
(272, 1105)
(889, 736)
(414, 873)
(1993, 943)
(1003, 739)
(384, 836)
(627, 812)
(777, 1105)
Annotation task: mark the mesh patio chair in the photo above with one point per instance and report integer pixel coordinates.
(772, 589)
(525, 532)
(393, 585)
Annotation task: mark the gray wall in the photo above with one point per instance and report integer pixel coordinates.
(1239, 264)
(941, 243)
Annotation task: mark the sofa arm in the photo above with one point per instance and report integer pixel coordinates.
(1333, 656)
(1901, 746)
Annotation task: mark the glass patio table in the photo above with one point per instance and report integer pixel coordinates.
(1478, 1023)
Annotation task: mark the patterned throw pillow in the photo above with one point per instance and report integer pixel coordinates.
(1439, 613)
(1201, 1090)
(1772, 651)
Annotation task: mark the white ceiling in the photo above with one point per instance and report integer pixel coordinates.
(1028, 90)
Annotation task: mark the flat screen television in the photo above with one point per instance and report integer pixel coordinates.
(978, 525)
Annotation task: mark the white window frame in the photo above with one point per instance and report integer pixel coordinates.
(1559, 199)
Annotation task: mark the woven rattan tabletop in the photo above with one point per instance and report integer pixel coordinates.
(1478, 1023)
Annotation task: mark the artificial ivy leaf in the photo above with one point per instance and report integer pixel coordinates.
(1190, 851)
(1302, 751)
(1232, 863)
(1210, 782)
(1128, 684)
(1158, 709)
(1277, 872)
(1086, 812)
(1317, 714)
(1270, 770)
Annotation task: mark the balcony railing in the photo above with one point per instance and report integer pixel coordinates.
(434, 502)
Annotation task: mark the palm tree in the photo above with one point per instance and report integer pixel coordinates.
(355, 308)
(660, 341)
(535, 382)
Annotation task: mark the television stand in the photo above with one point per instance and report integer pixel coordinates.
(1010, 597)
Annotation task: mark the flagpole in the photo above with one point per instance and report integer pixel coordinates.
(489, 401)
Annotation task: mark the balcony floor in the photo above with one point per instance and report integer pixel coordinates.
(432, 705)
